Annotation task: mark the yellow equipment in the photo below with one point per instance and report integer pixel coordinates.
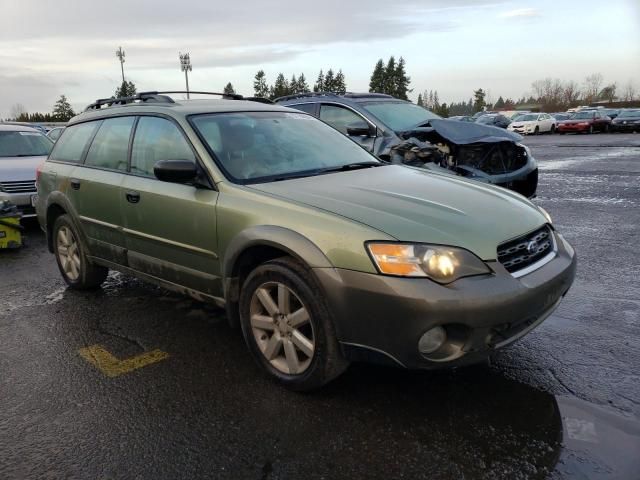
(10, 228)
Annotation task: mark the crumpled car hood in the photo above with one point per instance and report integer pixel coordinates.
(412, 204)
(463, 133)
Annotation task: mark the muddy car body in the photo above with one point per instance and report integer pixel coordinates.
(398, 131)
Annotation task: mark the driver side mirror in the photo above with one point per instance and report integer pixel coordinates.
(360, 129)
(175, 171)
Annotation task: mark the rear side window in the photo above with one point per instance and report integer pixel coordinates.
(157, 139)
(72, 143)
(305, 107)
(110, 146)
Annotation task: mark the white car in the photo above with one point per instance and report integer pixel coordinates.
(533, 123)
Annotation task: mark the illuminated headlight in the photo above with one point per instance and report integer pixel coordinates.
(546, 214)
(440, 263)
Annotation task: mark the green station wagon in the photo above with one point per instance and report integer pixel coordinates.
(322, 253)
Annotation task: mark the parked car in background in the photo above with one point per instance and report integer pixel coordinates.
(611, 112)
(494, 120)
(462, 118)
(55, 133)
(560, 116)
(22, 149)
(627, 121)
(533, 123)
(320, 252)
(585, 121)
(398, 131)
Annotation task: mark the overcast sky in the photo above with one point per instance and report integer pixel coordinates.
(454, 46)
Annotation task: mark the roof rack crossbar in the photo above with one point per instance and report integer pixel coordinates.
(162, 97)
(306, 94)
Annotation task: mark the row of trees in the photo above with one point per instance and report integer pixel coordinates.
(326, 82)
(391, 78)
(62, 112)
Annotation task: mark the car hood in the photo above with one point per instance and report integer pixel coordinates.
(19, 169)
(416, 205)
(626, 119)
(462, 133)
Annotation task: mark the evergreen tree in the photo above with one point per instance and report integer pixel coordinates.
(401, 80)
(293, 85)
(280, 87)
(420, 102)
(260, 86)
(376, 85)
(339, 85)
(319, 86)
(127, 89)
(228, 89)
(390, 77)
(430, 102)
(303, 86)
(329, 81)
(436, 100)
(479, 102)
(62, 111)
(500, 103)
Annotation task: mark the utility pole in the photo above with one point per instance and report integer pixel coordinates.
(120, 55)
(185, 66)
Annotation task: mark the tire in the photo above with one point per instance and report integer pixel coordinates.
(536, 131)
(590, 129)
(71, 256)
(606, 129)
(282, 346)
(553, 129)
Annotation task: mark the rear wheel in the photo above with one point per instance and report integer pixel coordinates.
(287, 326)
(76, 269)
(536, 131)
(590, 128)
(553, 129)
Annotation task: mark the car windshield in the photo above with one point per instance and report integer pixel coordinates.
(629, 113)
(485, 119)
(258, 147)
(400, 116)
(528, 118)
(24, 144)
(583, 115)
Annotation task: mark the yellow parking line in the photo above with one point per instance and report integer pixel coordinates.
(104, 361)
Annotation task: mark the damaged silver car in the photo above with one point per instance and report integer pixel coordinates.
(398, 131)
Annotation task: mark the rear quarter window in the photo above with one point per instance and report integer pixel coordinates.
(73, 142)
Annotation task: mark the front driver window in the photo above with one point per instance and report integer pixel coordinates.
(339, 117)
(157, 139)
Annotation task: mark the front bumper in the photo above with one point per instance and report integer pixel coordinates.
(22, 201)
(573, 128)
(381, 318)
(625, 127)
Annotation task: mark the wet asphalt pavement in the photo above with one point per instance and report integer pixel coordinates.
(564, 402)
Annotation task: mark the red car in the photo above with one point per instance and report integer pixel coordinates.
(587, 121)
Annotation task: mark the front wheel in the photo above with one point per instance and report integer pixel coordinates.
(536, 131)
(75, 267)
(590, 129)
(553, 129)
(287, 325)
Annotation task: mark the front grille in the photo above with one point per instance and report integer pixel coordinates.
(18, 187)
(518, 254)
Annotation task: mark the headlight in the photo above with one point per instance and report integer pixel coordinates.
(440, 263)
(546, 214)
(584, 124)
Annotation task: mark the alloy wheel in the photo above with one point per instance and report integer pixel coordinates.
(68, 251)
(282, 328)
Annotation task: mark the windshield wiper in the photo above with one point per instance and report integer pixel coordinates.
(351, 166)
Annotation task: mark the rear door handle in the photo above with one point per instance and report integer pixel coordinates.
(132, 197)
(75, 183)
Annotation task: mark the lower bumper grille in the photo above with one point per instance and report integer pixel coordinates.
(522, 252)
(18, 187)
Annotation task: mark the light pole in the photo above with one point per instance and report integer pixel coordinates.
(120, 55)
(185, 66)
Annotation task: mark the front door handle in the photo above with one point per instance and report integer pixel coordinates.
(132, 197)
(75, 183)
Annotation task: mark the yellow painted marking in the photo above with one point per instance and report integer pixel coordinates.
(100, 358)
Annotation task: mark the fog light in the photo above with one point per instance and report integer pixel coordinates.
(432, 340)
